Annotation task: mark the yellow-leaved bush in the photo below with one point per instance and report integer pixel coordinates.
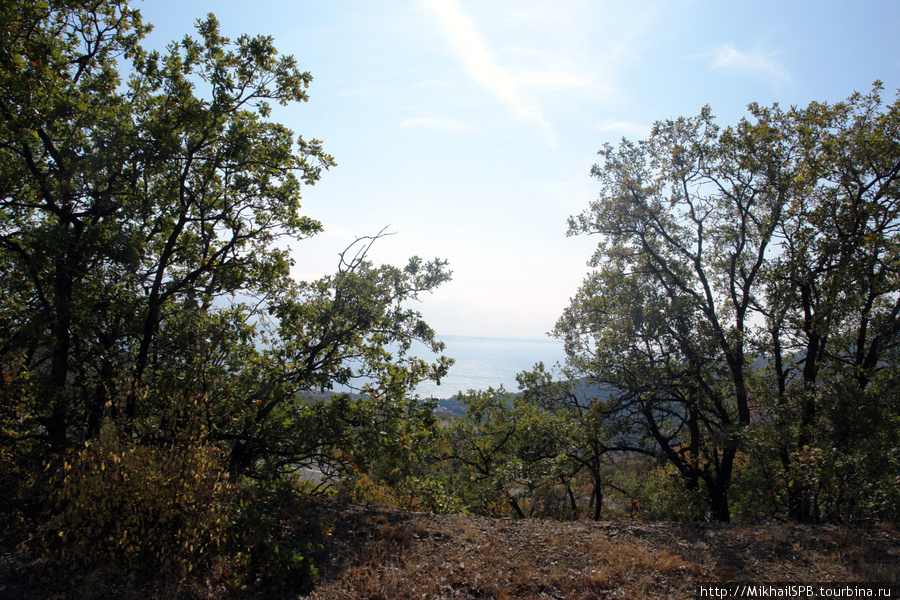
(128, 509)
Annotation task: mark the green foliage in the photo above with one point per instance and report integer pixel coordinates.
(504, 458)
(152, 339)
(585, 431)
(746, 284)
(262, 555)
(124, 207)
(662, 495)
(140, 230)
(848, 467)
(481, 452)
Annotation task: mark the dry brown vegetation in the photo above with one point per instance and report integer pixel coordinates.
(379, 553)
(386, 554)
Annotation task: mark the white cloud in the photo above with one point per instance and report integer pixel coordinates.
(570, 194)
(472, 52)
(568, 80)
(626, 128)
(439, 123)
(436, 84)
(728, 58)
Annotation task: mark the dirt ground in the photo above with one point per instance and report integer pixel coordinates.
(375, 553)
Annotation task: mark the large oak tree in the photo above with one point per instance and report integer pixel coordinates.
(145, 202)
(742, 275)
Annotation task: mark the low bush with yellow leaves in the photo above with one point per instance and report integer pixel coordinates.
(128, 510)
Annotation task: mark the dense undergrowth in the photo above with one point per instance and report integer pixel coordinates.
(152, 520)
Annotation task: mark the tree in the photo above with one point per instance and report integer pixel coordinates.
(483, 452)
(725, 252)
(664, 319)
(140, 221)
(581, 429)
(154, 350)
(832, 298)
(352, 329)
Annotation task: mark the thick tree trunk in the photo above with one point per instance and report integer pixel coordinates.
(718, 504)
(63, 284)
(719, 486)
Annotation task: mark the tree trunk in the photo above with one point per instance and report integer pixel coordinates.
(63, 283)
(515, 505)
(718, 487)
(598, 496)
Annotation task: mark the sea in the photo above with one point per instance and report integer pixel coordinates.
(489, 362)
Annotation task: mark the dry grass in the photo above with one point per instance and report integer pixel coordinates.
(384, 554)
(387, 554)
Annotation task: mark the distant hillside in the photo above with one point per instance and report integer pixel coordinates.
(584, 391)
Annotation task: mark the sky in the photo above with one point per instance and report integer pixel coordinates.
(468, 128)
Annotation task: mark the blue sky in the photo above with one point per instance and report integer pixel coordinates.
(469, 127)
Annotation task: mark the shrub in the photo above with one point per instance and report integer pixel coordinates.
(128, 510)
(269, 549)
(664, 496)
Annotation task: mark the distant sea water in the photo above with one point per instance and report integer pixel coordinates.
(489, 362)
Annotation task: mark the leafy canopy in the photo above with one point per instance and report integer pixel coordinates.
(746, 280)
(145, 202)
